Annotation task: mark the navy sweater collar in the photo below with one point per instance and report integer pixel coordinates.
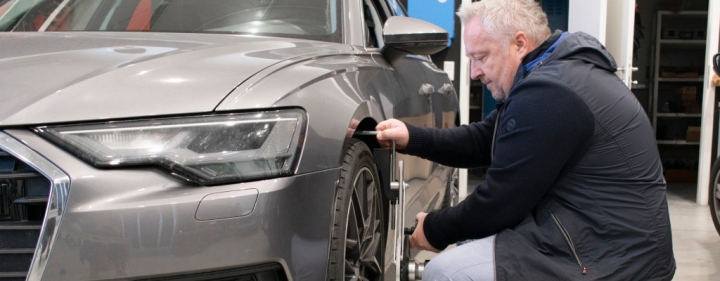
(546, 48)
(542, 48)
(536, 56)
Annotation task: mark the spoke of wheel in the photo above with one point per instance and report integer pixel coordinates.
(349, 268)
(358, 217)
(351, 244)
(357, 278)
(372, 237)
(717, 191)
(353, 233)
(369, 222)
(370, 249)
(373, 265)
(370, 244)
(360, 184)
(360, 195)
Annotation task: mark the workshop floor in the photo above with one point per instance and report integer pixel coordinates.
(695, 241)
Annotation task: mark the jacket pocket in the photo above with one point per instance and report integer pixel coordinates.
(570, 243)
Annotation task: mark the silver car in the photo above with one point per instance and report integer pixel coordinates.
(211, 139)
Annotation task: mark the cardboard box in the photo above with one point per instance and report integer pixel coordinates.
(678, 175)
(693, 134)
(687, 93)
(688, 90)
(691, 107)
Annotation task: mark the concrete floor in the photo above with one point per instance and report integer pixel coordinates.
(695, 241)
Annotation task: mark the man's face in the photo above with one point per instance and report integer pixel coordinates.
(488, 62)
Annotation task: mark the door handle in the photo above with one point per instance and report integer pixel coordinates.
(426, 89)
(632, 68)
(447, 88)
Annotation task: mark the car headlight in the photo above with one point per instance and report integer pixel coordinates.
(209, 149)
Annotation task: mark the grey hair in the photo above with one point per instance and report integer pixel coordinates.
(503, 18)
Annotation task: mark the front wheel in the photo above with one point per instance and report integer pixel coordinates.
(358, 237)
(714, 197)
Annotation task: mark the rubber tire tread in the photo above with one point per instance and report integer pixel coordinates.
(711, 197)
(356, 155)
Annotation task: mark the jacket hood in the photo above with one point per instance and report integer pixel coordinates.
(584, 47)
(79, 76)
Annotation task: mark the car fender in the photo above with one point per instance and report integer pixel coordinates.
(336, 91)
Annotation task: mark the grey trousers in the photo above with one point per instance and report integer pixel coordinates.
(473, 260)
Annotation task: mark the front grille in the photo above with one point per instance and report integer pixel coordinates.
(23, 200)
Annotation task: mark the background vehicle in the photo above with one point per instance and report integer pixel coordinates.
(208, 139)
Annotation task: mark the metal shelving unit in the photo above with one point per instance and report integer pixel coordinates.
(677, 90)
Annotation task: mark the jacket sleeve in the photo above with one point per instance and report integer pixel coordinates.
(441, 145)
(544, 128)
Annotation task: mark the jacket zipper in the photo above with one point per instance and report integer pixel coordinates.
(570, 243)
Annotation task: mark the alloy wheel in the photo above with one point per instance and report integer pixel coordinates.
(364, 230)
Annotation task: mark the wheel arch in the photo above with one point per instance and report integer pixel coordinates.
(366, 117)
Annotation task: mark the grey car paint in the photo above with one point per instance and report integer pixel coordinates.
(90, 76)
(131, 222)
(140, 222)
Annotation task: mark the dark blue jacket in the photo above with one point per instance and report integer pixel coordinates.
(574, 189)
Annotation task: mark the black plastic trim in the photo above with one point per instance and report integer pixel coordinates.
(265, 272)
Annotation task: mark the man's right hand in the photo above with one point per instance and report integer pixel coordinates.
(392, 130)
(418, 240)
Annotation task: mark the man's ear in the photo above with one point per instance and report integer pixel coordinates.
(522, 43)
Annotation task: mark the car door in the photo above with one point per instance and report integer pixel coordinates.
(416, 84)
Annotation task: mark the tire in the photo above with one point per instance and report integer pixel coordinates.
(714, 197)
(358, 235)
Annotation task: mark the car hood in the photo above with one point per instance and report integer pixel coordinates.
(64, 77)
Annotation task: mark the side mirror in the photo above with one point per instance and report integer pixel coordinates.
(414, 36)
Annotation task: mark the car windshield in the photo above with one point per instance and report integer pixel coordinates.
(305, 19)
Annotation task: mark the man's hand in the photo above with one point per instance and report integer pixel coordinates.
(418, 239)
(392, 130)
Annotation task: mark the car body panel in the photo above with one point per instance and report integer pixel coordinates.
(145, 222)
(330, 88)
(118, 223)
(88, 76)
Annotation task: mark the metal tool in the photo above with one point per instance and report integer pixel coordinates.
(394, 185)
(366, 133)
(406, 269)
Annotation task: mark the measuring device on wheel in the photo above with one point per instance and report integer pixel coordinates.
(393, 184)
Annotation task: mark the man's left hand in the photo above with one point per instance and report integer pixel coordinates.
(418, 239)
